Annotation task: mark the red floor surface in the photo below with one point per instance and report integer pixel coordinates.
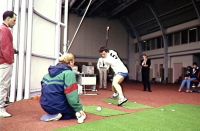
(27, 113)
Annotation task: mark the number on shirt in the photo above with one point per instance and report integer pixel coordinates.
(114, 56)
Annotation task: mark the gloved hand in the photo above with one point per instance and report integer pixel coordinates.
(81, 116)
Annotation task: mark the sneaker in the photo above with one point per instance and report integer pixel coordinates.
(49, 117)
(3, 113)
(122, 101)
(188, 91)
(115, 95)
(80, 118)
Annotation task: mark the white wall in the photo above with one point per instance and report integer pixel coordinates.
(185, 60)
(39, 67)
(43, 37)
(92, 35)
(5, 5)
(43, 41)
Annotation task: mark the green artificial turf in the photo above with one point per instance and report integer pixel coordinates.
(103, 112)
(168, 118)
(127, 105)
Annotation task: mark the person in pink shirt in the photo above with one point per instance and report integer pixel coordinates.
(6, 58)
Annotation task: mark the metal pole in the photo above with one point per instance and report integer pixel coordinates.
(66, 27)
(15, 41)
(28, 50)
(57, 32)
(21, 50)
(79, 25)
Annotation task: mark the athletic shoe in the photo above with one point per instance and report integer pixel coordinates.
(115, 95)
(193, 86)
(122, 101)
(3, 113)
(80, 117)
(49, 117)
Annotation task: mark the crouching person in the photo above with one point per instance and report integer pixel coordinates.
(59, 94)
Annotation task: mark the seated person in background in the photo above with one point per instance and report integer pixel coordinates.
(196, 83)
(59, 95)
(191, 75)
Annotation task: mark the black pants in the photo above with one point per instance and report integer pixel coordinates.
(146, 81)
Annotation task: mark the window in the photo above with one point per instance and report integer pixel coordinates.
(145, 46)
(136, 48)
(170, 39)
(159, 42)
(152, 44)
(177, 38)
(198, 33)
(184, 37)
(193, 35)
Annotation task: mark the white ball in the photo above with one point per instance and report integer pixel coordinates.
(98, 108)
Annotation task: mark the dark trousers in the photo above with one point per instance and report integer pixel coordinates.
(67, 114)
(146, 81)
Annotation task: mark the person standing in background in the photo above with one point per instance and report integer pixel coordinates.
(103, 70)
(146, 63)
(6, 58)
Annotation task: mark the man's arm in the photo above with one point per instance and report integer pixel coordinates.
(6, 47)
(71, 91)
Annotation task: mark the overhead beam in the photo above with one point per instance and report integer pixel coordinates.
(194, 3)
(71, 3)
(165, 14)
(96, 7)
(79, 6)
(122, 7)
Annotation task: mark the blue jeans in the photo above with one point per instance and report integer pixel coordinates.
(187, 82)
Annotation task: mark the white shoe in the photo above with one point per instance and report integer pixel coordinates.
(198, 85)
(122, 101)
(3, 113)
(80, 117)
(115, 95)
(49, 117)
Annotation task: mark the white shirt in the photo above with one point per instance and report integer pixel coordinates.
(114, 61)
(102, 64)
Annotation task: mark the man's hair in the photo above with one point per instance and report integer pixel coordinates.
(7, 14)
(103, 49)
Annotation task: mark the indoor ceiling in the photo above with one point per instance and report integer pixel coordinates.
(140, 17)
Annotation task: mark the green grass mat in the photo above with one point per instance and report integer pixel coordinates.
(168, 118)
(103, 112)
(127, 105)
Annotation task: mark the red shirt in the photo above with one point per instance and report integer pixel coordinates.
(6, 45)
